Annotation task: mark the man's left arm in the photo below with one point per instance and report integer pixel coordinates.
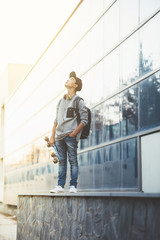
(83, 117)
(77, 130)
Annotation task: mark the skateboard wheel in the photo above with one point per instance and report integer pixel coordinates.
(48, 144)
(53, 154)
(55, 160)
(46, 139)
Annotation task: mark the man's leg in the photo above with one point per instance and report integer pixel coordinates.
(72, 155)
(62, 170)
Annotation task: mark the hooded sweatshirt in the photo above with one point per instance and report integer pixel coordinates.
(66, 117)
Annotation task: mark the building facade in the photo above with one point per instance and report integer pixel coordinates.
(114, 46)
(12, 75)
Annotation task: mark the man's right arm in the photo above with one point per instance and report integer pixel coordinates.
(52, 138)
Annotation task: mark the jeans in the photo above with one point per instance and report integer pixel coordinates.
(67, 145)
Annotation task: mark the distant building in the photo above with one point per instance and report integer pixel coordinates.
(10, 79)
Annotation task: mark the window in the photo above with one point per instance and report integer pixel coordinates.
(129, 60)
(96, 159)
(129, 15)
(147, 7)
(96, 83)
(150, 46)
(129, 111)
(149, 101)
(85, 180)
(111, 73)
(96, 42)
(111, 119)
(129, 164)
(111, 27)
(97, 126)
(112, 166)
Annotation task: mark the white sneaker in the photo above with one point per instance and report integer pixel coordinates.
(73, 189)
(57, 189)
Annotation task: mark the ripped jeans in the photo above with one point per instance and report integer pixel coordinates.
(67, 145)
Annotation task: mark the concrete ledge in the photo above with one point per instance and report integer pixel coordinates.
(88, 216)
(95, 194)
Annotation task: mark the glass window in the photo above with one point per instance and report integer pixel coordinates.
(129, 164)
(129, 60)
(32, 175)
(28, 175)
(84, 143)
(80, 56)
(96, 42)
(106, 3)
(111, 27)
(147, 7)
(112, 166)
(37, 171)
(95, 9)
(96, 83)
(85, 179)
(113, 154)
(150, 46)
(78, 59)
(149, 101)
(86, 91)
(111, 119)
(96, 159)
(23, 176)
(129, 111)
(129, 10)
(49, 168)
(111, 73)
(43, 170)
(96, 135)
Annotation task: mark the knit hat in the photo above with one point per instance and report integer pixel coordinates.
(78, 81)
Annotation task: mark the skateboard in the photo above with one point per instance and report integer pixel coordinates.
(55, 154)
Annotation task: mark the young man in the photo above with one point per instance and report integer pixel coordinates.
(66, 133)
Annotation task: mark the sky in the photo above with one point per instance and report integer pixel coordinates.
(28, 26)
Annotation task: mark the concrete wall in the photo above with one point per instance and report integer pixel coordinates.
(88, 217)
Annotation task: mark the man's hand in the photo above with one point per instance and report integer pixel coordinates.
(52, 140)
(72, 134)
(77, 130)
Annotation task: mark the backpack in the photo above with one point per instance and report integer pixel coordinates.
(86, 129)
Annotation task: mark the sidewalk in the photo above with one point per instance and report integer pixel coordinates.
(8, 227)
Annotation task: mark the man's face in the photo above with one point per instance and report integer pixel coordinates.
(71, 83)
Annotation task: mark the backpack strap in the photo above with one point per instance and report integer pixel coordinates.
(76, 104)
(77, 99)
